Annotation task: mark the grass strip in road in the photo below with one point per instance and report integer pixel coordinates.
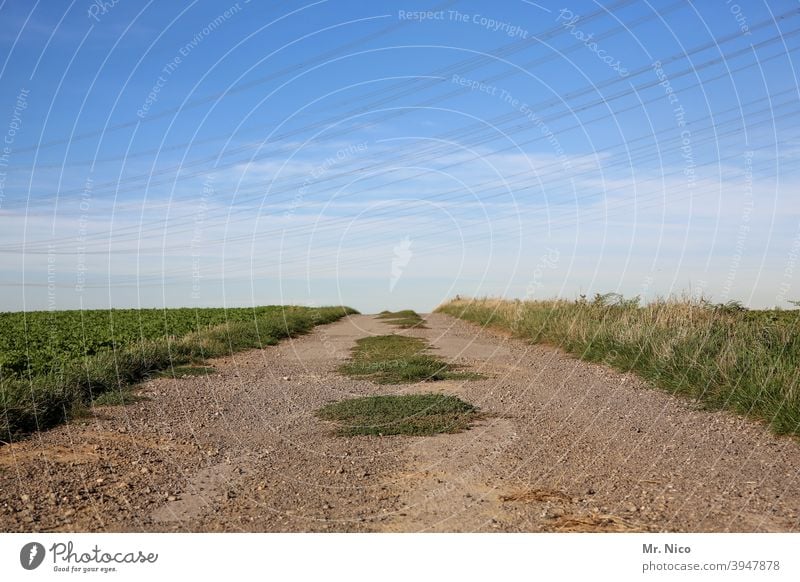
(405, 319)
(398, 359)
(724, 356)
(416, 414)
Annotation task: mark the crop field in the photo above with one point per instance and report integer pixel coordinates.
(53, 362)
(42, 342)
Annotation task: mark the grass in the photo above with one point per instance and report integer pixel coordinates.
(417, 414)
(33, 402)
(397, 359)
(42, 342)
(181, 371)
(405, 319)
(723, 356)
(120, 397)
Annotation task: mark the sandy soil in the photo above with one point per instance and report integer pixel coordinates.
(564, 446)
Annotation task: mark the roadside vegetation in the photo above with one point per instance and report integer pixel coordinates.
(53, 364)
(724, 356)
(415, 414)
(398, 359)
(405, 319)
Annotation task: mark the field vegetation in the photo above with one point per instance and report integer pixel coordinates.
(398, 359)
(404, 319)
(723, 356)
(54, 363)
(413, 414)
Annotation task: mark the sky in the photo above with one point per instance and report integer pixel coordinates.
(389, 155)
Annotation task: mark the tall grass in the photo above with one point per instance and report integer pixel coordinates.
(42, 401)
(723, 356)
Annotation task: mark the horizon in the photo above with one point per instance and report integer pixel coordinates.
(794, 305)
(399, 155)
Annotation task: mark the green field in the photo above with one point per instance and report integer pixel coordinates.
(723, 356)
(54, 362)
(40, 342)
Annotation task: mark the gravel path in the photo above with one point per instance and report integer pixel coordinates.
(565, 446)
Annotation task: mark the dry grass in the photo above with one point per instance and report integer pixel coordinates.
(723, 356)
(595, 523)
(531, 495)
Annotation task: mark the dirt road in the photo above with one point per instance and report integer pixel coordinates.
(565, 446)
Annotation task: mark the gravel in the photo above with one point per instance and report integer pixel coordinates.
(565, 446)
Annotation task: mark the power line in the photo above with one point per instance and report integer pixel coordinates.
(513, 146)
(113, 186)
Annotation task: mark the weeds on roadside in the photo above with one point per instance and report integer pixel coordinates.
(416, 414)
(405, 319)
(398, 359)
(38, 402)
(724, 356)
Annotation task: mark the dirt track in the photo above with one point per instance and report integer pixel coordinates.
(566, 446)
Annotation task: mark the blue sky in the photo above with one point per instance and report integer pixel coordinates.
(394, 154)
